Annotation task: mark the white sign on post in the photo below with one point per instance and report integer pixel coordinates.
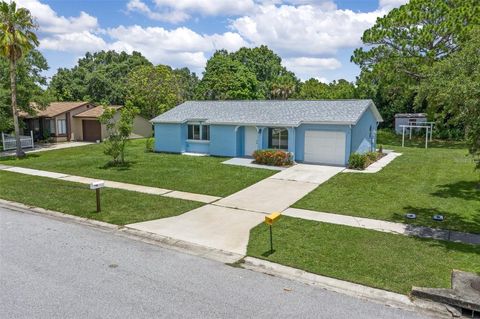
(97, 184)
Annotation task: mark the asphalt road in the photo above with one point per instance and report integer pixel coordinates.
(54, 269)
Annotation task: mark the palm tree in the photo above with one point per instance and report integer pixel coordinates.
(16, 39)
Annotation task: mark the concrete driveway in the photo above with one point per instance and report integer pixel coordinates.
(212, 226)
(226, 224)
(281, 190)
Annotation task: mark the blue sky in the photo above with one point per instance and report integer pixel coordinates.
(315, 38)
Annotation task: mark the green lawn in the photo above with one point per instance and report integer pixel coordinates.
(204, 175)
(376, 259)
(118, 206)
(440, 180)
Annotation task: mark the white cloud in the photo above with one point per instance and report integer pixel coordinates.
(387, 5)
(307, 67)
(177, 47)
(50, 22)
(175, 11)
(73, 42)
(304, 29)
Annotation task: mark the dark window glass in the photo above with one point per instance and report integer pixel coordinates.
(193, 132)
(206, 132)
(278, 138)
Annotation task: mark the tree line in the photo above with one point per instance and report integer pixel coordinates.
(420, 57)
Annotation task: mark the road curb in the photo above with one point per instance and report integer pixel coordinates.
(380, 296)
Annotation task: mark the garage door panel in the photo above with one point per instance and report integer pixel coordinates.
(325, 147)
(92, 130)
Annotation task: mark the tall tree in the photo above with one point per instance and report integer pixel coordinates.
(29, 82)
(227, 79)
(275, 81)
(16, 40)
(187, 82)
(97, 77)
(313, 89)
(405, 43)
(452, 90)
(154, 89)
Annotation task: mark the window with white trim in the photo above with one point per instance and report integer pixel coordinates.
(198, 132)
(61, 126)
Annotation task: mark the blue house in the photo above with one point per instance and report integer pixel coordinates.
(323, 131)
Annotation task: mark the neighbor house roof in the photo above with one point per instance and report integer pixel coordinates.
(271, 112)
(95, 112)
(53, 109)
(411, 115)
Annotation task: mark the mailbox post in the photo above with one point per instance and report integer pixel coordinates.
(96, 186)
(269, 220)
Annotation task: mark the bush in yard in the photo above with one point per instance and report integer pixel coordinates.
(357, 161)
(361, 161)
(149, 145)
(273, 157)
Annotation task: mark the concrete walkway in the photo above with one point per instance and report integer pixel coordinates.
(47, 147)
(384, 226)
(111, 184)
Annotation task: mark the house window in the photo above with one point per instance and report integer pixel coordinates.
(51, 125)
(61, 126)
(278, 138)
(198, 132)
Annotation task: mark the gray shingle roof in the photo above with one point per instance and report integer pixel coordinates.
(271, 112)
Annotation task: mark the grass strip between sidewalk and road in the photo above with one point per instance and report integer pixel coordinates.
(119, 207)
(376, 259)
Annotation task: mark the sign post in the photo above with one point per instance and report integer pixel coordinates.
(269, 220)
(96, 186)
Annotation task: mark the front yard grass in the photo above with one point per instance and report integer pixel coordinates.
(203, 175)
(376, 259)
(439, 180)
(118, 206)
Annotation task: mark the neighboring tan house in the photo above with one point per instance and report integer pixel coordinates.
(55, 121)
(88, 127)
(75, 121)
(323, 132)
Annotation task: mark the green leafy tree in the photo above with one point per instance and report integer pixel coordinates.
(187, 82)
(97, 77)
(275, 81)
(119, 131)
(29, 80)
(313, 89)
(405, 43)
(16, 40)
(452, 90)
(154, 89)
(227, 79)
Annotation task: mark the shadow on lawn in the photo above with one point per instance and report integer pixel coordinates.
(463, 189)
(452, 221)
(13, 158)
(119, 166)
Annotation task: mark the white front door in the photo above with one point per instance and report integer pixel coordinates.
(325, 147)
(250, 140)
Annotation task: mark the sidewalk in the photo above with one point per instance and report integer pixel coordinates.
(385, 226)
(47, 147)
(111, 184)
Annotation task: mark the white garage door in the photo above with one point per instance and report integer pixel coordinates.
(325, 147)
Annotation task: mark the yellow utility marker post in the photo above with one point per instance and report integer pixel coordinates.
(269, 220)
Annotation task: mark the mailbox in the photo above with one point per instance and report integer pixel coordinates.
(97, 184)
(270, 219)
